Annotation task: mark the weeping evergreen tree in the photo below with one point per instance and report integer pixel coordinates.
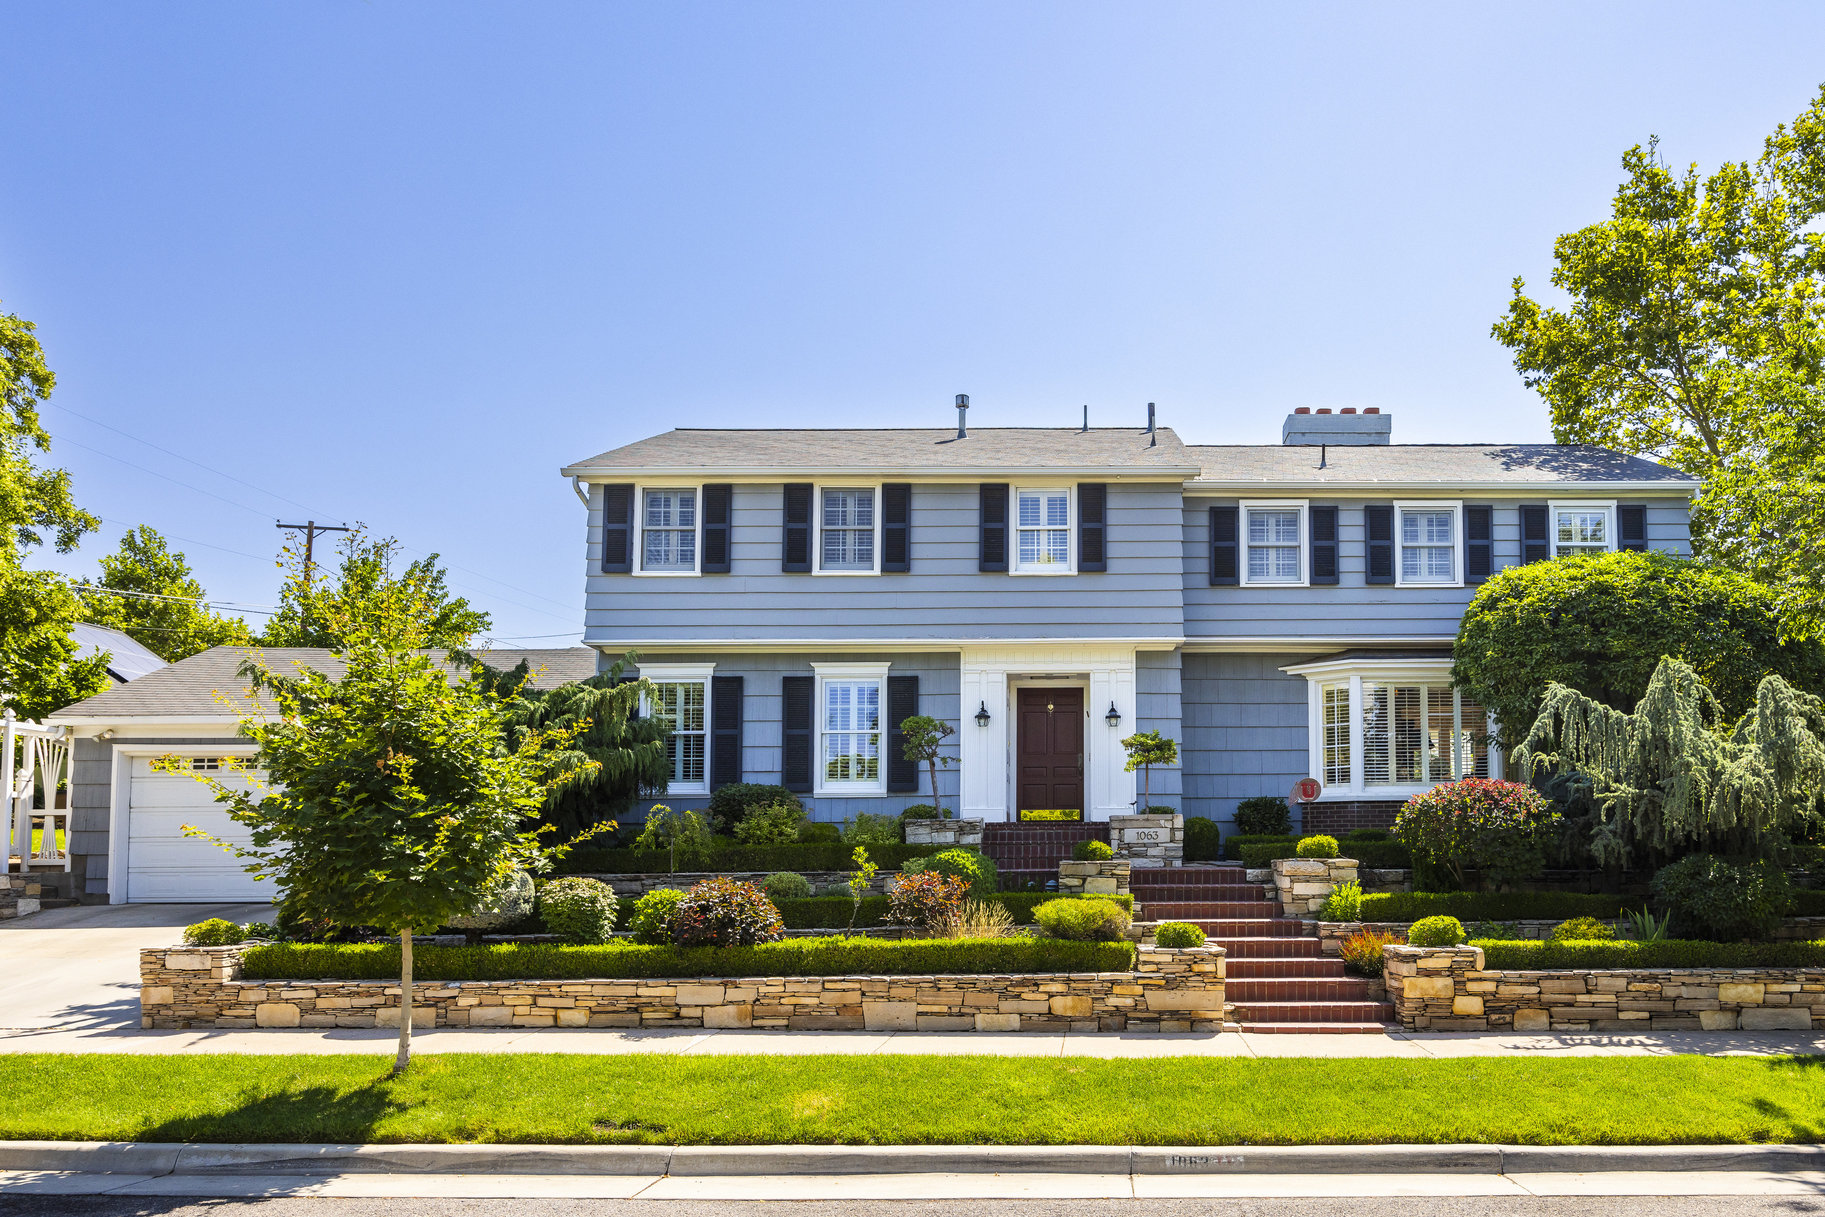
(602, 767)
(1675, 776)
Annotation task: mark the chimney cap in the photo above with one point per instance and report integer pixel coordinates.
(1347, 410)
(1371, 409)
(1324, 409)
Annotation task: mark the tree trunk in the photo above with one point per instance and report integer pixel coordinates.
(405, 1002)
(936, 801)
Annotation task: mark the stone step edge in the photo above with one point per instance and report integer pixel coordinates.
(306, 1159)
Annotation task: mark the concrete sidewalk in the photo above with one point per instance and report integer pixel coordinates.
(1413, 1046)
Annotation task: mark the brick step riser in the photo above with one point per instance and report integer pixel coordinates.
(1248, 990)
(1241, 967)
(1226, 910)
(1269, 948)
(1203, 895)
(1314, 1028)
(1314, 1012)
(1242, 927)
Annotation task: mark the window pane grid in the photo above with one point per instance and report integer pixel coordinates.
(1273, 545)
(1416, 735)
(680, 706)
(1581, 530)
(1428, 546)
(669, 530)
(1042, 521)
(1337, 735)
(852, 735)
(848, 530)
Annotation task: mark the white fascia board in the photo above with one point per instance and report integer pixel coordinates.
(88, 727)
(1369, 667)
(1314, 645)
(1101, 473)
(1456, 488)
(617, 646)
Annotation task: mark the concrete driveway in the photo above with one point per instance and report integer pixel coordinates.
(77, 969)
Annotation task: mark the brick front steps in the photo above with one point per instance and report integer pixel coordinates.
(1030, 853)
(1279, 979)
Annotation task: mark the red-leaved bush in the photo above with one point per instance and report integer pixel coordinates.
(1499, 828)
(928, 900)
(726, 913)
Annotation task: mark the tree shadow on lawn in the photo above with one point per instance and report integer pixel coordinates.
(311, 1114)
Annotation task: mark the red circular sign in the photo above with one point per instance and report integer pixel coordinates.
(1307, 790)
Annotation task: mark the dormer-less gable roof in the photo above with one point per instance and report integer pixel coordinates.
(1571, 468)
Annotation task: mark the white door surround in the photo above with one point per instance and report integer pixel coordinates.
(986, 754)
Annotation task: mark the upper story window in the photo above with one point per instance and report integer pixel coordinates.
(846, 531)
(668, 530)
(1427, 534)
(850, 703)
(1583, 528)
(1042, 522)
(1273, 540)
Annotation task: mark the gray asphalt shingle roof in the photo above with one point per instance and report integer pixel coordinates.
(893, 449)
(1446, 464)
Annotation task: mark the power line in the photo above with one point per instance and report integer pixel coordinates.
(191, 541)
(225, 604)
(167, 477)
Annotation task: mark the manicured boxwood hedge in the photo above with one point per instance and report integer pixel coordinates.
(792, 957)
(1808, 903)
(1495, 906)
(832, 912)
(1672, 953)
(1374, 855)
(732, 857)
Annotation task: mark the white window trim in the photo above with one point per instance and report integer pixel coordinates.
(1554, 507)
(639, 554)
(1417, 671)
(684, 673)
(1048, 571)
(841, 672)
(1456, 508)
(1304, 508)
(817, 526)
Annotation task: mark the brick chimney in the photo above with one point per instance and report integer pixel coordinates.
(1306, 426)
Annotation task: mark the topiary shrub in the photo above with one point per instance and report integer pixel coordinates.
(1263, 816)
(1714, 898)
(1203, 840)
(728, 804)
(770, 823)
(511, 901)
(653, 916)
(1082, 920)
(1319, 846)
(1361, 951)
(928, 900)
(725, 913)
(786, 885)
(213, 933)
(1500, 828)
(1092, 851)
(1178, 934)
(969, 864)
(1344, 903)
(1436, 932)
(1582, 929)
(579, 910)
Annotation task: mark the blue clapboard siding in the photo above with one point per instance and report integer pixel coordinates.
(1157, 677)
(762, 733)
(944, 596)
(1245, 726)
(91, 798)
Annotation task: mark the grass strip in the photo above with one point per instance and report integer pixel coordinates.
(925, 1100)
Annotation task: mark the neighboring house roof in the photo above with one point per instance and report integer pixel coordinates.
(1006, 450)
(127, 659)
(1241, 466)
(188, 689)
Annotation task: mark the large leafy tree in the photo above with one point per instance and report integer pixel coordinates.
(148, 592)
(1695, 334)
(313, 605)
(38, 668)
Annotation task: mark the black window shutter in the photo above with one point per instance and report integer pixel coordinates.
(725, 730)
(795, 544)
(716, 528)
(992, 527)
(1536, 545)
(1324, 545)
(795, 722)
(1632, 527)
(1224, 571)
(1092, 529)
(902, 704)
(617, 529)
(1378, 526)
(1479, 543)
(896, 527)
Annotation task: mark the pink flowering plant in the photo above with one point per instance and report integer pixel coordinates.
(1501, 829)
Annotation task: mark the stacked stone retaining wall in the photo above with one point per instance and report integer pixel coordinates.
(945, 834)
(1148, 840)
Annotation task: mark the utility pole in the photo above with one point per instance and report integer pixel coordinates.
(310, 529)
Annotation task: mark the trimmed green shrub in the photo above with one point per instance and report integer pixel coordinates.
(214, 932)
(1524, 956)
(725, 913)
(873, 832)
(1178, 934)
(1492, 906)
(578, 910)
(1082, 919)
(1361, 952)
(834, 956)
(1263, 816)
(813, 832)
(770, 824)
(971, 864)
(1368, 834)
(1344, 903)
(1500, 828)
(1203, 839)
(653, 915)
(728, 856)
(1373, 855)
(1582, 929)
(1435, 932)
(832, 912)
(1092, 851)
(729, 804)
(786, 885)
(1319, 846)
(510, 903)
(1710, 897)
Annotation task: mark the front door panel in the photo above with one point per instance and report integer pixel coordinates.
(1049, 759)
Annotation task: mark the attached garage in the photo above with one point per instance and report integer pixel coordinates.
(164, 864)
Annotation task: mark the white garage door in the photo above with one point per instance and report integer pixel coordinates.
(165, 865)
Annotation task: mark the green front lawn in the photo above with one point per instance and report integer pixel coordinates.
(913, 1100)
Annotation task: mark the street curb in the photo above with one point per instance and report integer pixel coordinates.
(136, 1158)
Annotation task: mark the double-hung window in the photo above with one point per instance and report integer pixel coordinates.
(668, 530)
(681, 701)
(1334, 726)
(1427, 534)
(851, 739)
(1274, 542)
(846, 531)
(1042, 525)
(1387, 732)
(1583, 528)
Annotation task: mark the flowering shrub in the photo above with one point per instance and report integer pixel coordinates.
(928, 900)
(1361, 951)
(1500, 828)
(725, 913)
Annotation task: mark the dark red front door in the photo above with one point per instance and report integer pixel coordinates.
(1049, 760)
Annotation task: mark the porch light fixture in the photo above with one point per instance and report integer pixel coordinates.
(982, 714)
(1114, 717)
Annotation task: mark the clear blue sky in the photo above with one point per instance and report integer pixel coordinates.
(398, 263)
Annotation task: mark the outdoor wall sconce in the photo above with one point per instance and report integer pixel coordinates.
(1114, 717)
(982, 715)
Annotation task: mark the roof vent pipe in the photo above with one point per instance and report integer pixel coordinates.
(1152, 439)
(963, 409)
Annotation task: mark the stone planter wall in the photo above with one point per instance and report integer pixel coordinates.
(945, 834)
(1094, 878)
(1448, 989)
(1332, 933)
(1169, 990)
(1150, 840)
(1303, 883)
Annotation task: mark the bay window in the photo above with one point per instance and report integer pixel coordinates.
(1388, 730)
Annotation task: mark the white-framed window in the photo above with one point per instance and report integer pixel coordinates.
(851, 729)
(1581, 528)
(1428, 539)
(848, 530)
(1274, 543)
(1043, 520)
(1382, 730)
(670, 530)
(681, 700)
